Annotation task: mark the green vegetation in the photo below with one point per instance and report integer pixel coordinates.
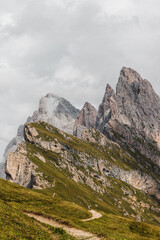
(113, 227)
(15, 225)
(68, 202)
(59, 232)
(14, 200)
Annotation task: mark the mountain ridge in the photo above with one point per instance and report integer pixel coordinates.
(112, 153)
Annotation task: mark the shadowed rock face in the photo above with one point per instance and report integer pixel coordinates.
(133, 112)
(86, 119)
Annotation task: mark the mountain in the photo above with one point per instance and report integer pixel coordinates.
(132, 113)
(130, 116)
(109, 162)
(54, 110)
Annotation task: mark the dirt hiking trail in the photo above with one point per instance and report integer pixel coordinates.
(80, 234)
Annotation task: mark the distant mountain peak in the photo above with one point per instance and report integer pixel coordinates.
(130, 75)
(56, 111)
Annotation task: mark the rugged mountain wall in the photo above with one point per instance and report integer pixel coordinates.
(131, 115)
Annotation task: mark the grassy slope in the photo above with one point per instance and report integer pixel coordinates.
(80, 193)
(71, 199)
(14, 200)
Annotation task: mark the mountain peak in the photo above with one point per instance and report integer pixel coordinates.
(129, 75)
(135, 105)
(56, 111)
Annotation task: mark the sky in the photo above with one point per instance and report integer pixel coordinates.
(71, 48)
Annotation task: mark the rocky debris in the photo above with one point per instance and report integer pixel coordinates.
(86, 119)
(133, 112)
(20, 170)
(56, 111)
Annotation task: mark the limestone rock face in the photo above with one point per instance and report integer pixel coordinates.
(56, 111)
(86, 119)
(139, 103)
(133, 112)
(19, 169)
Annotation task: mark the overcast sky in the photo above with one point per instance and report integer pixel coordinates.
(72, 48)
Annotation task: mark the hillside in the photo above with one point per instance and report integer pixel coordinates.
(62, 166)
(14, 224)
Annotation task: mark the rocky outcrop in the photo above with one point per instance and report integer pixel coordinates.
(19, 169)
(86, 119)
(133, 113)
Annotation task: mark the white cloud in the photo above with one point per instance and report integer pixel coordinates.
(72, 48)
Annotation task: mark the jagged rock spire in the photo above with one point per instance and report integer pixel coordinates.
(134, 106)
(86, 119)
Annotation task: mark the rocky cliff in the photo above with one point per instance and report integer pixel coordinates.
(133, 113)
